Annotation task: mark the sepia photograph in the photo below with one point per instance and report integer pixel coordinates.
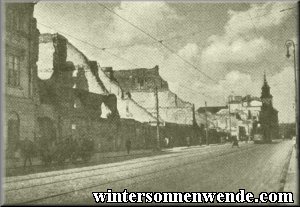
(149, 102)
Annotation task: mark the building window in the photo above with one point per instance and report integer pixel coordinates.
(14, 20)
(13, 70)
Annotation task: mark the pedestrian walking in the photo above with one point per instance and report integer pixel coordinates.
(235, 142)
(27, 151)
(128, 145)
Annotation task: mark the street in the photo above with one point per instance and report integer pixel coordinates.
(252, 167)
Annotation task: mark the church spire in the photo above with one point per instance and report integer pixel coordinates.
(265, 85)
(265, 91)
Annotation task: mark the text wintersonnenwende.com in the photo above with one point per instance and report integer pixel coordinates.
(191, 197)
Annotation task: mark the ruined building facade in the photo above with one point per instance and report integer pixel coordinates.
(73, 103)
(140, 80)
(81, 100)
(178, 116)
(21, 55)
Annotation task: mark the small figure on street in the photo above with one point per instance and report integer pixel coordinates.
(188, 141)
(27, 151)
(235, 142)
(128, 145)
(166, 142)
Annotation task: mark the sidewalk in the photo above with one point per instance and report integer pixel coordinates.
(97, 157)
(292, 176)
(107, 156)
(15, 167)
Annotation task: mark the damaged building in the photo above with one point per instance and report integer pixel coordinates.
(178, 116)
(133, 116)
(79, 99)
(72, 102)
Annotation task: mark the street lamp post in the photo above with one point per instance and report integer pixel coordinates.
(288, 44)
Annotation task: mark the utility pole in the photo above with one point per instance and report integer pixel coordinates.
(283, 130)
(206, 125)
(157, 119)
(288, 44)
(229, 119)
(194, 124)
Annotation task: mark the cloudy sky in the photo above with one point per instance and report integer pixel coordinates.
(214, 49)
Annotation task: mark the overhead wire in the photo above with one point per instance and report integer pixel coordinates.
(178, 36)
(49, 70)
(157, 40)
(152, 37)
(161, 42)
(165, 46)
(203, 94)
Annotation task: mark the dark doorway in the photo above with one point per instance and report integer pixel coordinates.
(13, 133)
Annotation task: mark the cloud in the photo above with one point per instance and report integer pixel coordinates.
(150, 16)
(259, 16)
(189, 51)
(240, 42)
(149, 57)
(242, 46)
(238, 83)
(237, 51)
(190, 87)
(235, 82)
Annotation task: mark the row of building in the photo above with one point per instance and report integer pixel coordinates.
(53, 91)
(243, 115)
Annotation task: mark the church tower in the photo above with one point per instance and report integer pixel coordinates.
(268, 117)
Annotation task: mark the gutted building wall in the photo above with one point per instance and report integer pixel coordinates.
(142, 79)
(72, 92)
(82, 106)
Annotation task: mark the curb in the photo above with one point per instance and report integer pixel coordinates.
(290, 184)
(284, 171)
